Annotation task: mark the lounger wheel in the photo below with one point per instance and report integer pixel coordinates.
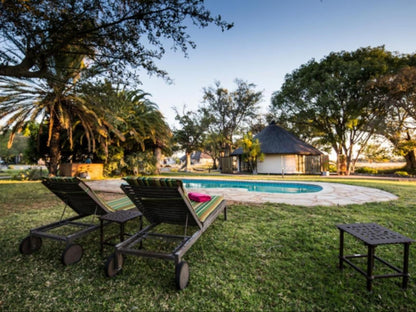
(72, 254)
(182, 275)
(114, 265)
(30, 244)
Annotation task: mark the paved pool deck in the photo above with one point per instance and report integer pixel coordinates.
(332, 194)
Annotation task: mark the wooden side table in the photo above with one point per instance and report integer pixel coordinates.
(121, 217)
(373, 235)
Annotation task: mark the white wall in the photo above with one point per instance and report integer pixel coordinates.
(275, 163)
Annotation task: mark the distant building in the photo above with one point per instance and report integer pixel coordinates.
(198, 158)
(283, 153)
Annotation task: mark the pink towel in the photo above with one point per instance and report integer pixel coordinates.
(198, 197)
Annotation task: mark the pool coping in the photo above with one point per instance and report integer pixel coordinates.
(332, 194)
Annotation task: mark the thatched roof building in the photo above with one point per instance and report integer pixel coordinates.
(276, 140)
(284, 152)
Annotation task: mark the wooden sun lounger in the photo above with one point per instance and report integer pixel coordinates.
(82, 199)
(164, 201)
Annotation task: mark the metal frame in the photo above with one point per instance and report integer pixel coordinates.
(371, 244)
(121, 217)
(42, 231)
(162, 202)
(185, 242)
(82, 200)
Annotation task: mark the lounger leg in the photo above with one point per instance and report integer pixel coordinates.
(121, 231)
(101, 237)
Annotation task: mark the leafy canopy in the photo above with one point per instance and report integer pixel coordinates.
(119, 37)
(330, 99)
(228, 111)
(397, 94)
(251, 150)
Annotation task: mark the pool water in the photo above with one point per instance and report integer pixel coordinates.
(254, 186)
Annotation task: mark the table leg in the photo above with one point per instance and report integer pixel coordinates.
(341, 249)
(405, 266)
(370, 266)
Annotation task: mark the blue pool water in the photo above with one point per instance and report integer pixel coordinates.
(253, 186)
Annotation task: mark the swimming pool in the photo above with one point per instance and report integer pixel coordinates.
(254, 186)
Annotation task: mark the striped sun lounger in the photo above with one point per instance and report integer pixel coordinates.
(165, 201)
(84, 201)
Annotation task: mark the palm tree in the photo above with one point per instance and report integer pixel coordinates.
(55, 103)
(139, 121)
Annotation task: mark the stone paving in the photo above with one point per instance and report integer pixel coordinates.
(332, 194)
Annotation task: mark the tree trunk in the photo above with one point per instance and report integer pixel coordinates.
(158, 155)
(188, 162)
(342, 164)
(54, 151)
(411, 160)
(214, 163)
(104, 146)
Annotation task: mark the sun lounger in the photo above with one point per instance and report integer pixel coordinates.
(81, 199)
(164, 201)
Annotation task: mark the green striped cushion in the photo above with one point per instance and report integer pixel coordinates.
(110, 206)
(62, 179)
(203, 210)
(122, 203)
(146, 181)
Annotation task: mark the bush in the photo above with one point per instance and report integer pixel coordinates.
(332, 168)
(401, 173)
(366, 170)
(30, 175)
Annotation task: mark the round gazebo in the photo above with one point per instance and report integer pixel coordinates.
(283, 153)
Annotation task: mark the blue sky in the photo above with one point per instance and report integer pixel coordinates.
(271, 38)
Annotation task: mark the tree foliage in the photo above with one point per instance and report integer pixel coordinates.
(118, 37)
(330, 99)
(190, 137)
(228, 112)
(9, 155)
(397, 93)
(213, 146)
(47, 45)
(251, 151)
(56, 103)
(142, 125)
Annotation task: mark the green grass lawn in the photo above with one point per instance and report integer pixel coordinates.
(268, 257)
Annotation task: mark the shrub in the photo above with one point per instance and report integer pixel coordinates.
(366, 170)
(30, 174)
(332, 168)
(401, 173)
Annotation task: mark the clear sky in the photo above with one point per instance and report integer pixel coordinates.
(271, 38)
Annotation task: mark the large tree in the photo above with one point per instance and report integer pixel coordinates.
(43, 40)
(397, 93)
(227, 112)
(190, 137)
(330, 99)
(119, 37)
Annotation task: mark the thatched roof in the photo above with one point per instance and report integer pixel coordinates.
(276, 140)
